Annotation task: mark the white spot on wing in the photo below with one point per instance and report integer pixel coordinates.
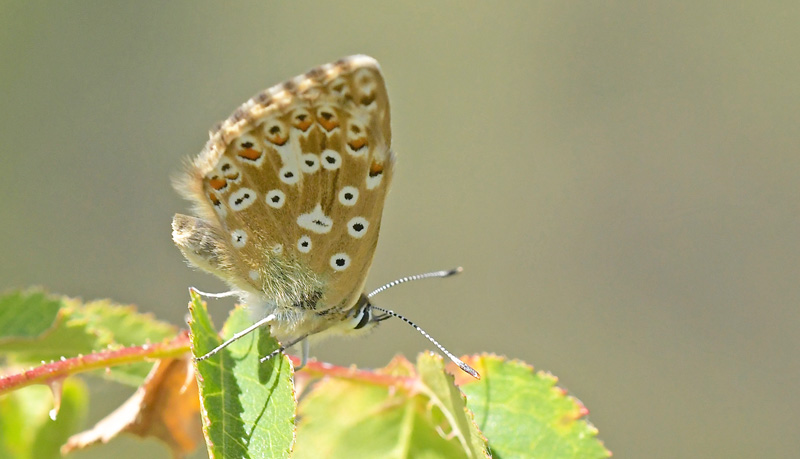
(229, 170)
(238, 238)
(331, 160)
(316, 221)
(328, 119)
(340, 87)
(254, 275)
(304, 244)
(373, 182)
(356, 143)
(241, 199)
(365, 81)
(245, 142)
(357, 227)
(367, 86)
(276, 198)
(348, 195)
(288, 175)
(276, 132)
(302, 121)
(218, 205)
(309, 163)
(340, 261)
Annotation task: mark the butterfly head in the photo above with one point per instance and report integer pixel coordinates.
(355, 321)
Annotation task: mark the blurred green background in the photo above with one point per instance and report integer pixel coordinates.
(620, 181)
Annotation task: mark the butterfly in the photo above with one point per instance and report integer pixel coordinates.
(288, 195)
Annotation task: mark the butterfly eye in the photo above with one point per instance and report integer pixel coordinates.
(364, 316)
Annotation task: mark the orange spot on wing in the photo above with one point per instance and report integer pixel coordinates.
(277, 139)
(232, 176)
(357, 144)
(375, 169)
(250, 153)
(329, 124)
(214, 199)
(217, 183)
(303, 125)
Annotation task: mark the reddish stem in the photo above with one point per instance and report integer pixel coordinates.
(103, 359)
(48, 372)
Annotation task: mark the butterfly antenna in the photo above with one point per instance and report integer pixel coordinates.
(456, 360)
(403, 280)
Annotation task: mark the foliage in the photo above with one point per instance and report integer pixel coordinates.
(239, 407)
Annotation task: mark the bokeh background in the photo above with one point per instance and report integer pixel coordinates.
(620, 181)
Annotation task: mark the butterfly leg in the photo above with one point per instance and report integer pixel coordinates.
(304, 358)
(238, 335)
(287, 346)
(216, 295)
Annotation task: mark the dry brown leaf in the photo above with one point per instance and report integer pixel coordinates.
(166, 406)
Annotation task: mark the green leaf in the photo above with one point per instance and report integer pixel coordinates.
(524, 414)
(119, 326)
(49, 336)
(424, 416)
(248, 407)
(123, 325)
(36, 327)
(451, 402)
(28, 431)
(26, 314)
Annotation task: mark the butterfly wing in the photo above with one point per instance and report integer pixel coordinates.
(289, 190)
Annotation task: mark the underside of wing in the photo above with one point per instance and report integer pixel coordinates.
(292, 186)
